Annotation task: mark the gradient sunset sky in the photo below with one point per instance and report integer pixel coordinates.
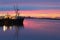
(34, 8)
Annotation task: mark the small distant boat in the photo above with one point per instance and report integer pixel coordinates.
(9, 21)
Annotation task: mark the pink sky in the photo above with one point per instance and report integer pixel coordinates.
(41, 13)
(35, 13)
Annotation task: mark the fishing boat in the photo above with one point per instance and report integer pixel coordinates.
(18, 20)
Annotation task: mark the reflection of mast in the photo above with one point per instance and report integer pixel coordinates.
(17, 31)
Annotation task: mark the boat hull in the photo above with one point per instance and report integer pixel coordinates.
(11, 21)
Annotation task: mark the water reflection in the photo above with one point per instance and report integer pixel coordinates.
(8, 32)
(9, 27)
(33, 29)
(39, 29)
(6, 27)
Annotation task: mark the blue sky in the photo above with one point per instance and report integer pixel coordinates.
(11, 1)
(30, 4)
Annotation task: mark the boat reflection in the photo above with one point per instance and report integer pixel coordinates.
(13, 27)
(10, 31)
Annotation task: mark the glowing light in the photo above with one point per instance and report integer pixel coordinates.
(10, 27)
(4, 28)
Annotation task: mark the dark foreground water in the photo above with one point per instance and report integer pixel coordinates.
(33, 29)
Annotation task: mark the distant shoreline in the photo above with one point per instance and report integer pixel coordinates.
(43, 18)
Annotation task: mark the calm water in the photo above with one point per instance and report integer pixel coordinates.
(33, 29)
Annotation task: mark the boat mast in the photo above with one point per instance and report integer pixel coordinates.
(17, 13)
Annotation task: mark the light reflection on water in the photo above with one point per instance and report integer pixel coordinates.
(10, 32)
(33, 29)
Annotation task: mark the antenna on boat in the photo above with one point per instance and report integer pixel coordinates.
(16, 10)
